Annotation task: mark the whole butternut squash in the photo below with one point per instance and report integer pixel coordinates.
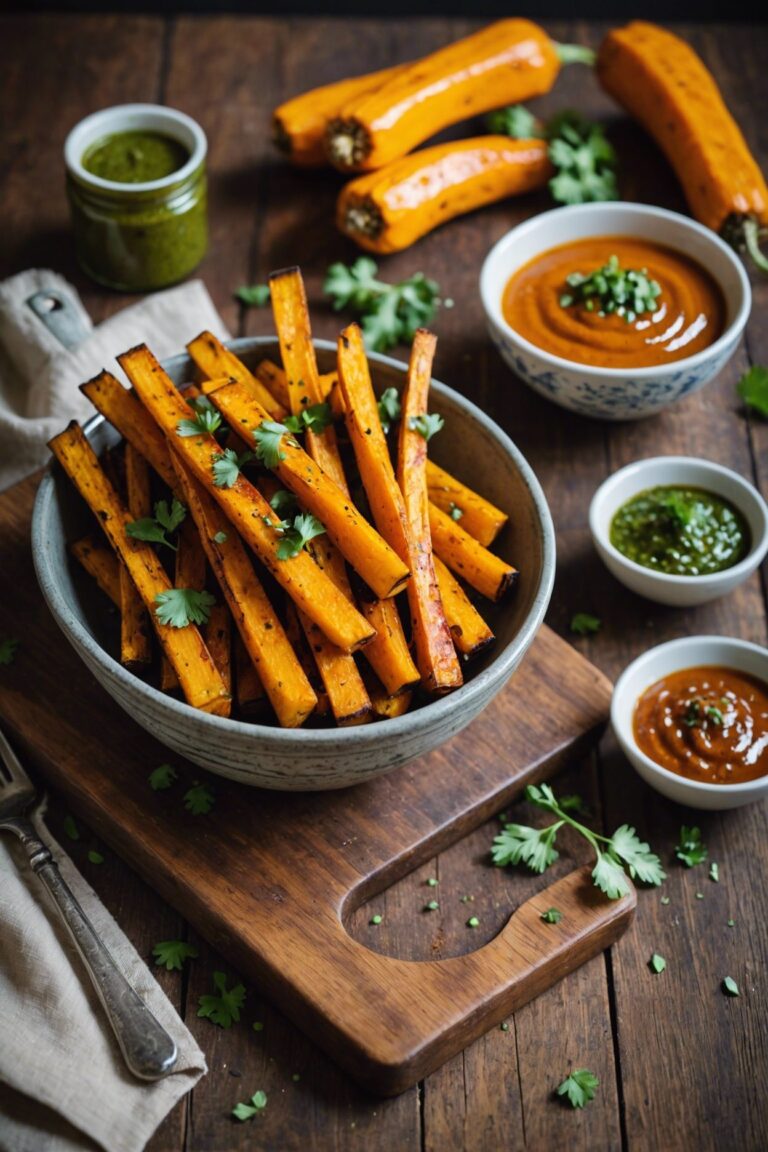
(505, 63)
(663, 84)
(387, 210)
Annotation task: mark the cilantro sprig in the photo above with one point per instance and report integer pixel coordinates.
(199, 799)
(269, 437)
(223, 1006)
(426, 424)
(691, 850)
(205, 420)
(245, 1110)
(153, 529)
(623, 851)
(390, 313)
(172, 954)
(390, 408)
(753, 389)
(305, 527)
(227, 466)
(182, 606)
(316, 418)
(627, 292)
(579, 1087)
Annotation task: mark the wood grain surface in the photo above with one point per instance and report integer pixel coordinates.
(680, 1066)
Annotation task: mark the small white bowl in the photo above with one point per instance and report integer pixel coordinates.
(685, 471)
(688, 652)
(611, 393)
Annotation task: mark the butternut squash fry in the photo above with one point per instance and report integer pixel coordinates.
(273, 377)
(214, 360)
(189, 572)
(251, 697)
(131, 419)
(470, 632)
(385, 707)
(435, 656)
(279, 671)
(100, 563)
(135, 631)
(486, 573)
(245, 506)
(299, 644)
(201, 683)
(371, 557)
(479, 517)
(218, 637)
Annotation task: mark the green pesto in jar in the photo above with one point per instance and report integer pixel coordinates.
(135, 157)
(680, 531)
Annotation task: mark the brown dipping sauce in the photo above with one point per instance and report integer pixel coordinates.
(708, 724)
(689, 315)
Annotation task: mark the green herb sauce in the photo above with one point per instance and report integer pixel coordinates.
(680, 531)
(135, 157)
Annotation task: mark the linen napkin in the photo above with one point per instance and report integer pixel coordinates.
(39, 378)
(63, 1084)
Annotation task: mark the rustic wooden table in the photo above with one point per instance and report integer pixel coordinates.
(681, 1066)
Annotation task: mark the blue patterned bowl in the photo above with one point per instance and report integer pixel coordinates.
(609, 393)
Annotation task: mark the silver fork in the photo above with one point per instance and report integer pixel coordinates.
(149, 1051)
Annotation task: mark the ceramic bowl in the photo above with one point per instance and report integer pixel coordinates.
(679, 591)
(609, 393)
(313, 759)
(688, 652)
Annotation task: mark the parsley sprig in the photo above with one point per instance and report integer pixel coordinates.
(390, 313)
(584, 159)
(579, 1087)
(223, 1006)
(153, 529)
(612, 289)
(536, 848)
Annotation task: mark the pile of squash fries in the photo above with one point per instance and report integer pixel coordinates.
(320, 633)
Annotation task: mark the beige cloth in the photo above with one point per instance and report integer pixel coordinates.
(63, 1084)
(39, 378)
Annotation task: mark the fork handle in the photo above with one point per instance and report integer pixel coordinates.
(149, 1051)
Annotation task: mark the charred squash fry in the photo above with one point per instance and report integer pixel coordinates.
(370, 555)
(388, 653)
(479, 517)
(132, 421)
(435, 654)
(100, 563)
(487, 573)
(505, 63)
(189, 572)
(135, 634)
(218, 637)
(660, 80)
(200, 681)
(251, 697)
(273, 377)
(213, 359)
(245, 506)
(470, 632)
(393, 207)
(262, 634)
(299, 124)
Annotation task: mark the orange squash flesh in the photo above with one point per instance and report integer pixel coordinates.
(479, 516)
(135, 629)
(100, 563)
(487, 573)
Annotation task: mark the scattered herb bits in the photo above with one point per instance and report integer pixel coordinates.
(582, 623)
(657, 963)
(579, 1087)
(473, 922)
(730, 987)
(171, 954)
(222, 1006)
(551, 916)
(504, 1026)
(431, 882)
(199, 799)
(714, 872)
(71, 829)
(691, 850)
(246, 1110)
(162, 777)
(431, 906)
(375, 920)
(665, 900)
(95, 857)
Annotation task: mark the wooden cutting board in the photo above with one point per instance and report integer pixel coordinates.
(269, 879)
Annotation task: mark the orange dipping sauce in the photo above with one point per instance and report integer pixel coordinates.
(689, 314)
(707, 723)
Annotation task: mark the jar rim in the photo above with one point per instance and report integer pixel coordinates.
(126, 118)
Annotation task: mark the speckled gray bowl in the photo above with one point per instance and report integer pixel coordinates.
(475, 449)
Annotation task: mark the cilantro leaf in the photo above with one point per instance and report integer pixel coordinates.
(627, 292)
(182, 606)
(227, 465)
(730, 987)
(426, 425)
(551, 916)
(753, 389)
(305, 527)
(152, 529)
(204, 420)
(515, 121)
(244, 1111)
(162, 777)
(253, 295)
(390, 408)
(8, 646)
(316, 417)
(582, 623)
(199, 799)
(173, 953)
(691, 849)
(657, 963)
(283, 503)
(220, 537)
(609, 877)
(532, 846)
(390, 313)
(71, 828)
(632, 851)
(223, 1006)
(579, 1087)
(455, 512)
(585, 160)
(95, 857)
(268, 437)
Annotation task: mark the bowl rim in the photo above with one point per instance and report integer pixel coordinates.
(491, 299)
(621, 723)
(736, 572)
(322, 739)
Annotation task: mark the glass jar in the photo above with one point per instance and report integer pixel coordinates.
(138, 237)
